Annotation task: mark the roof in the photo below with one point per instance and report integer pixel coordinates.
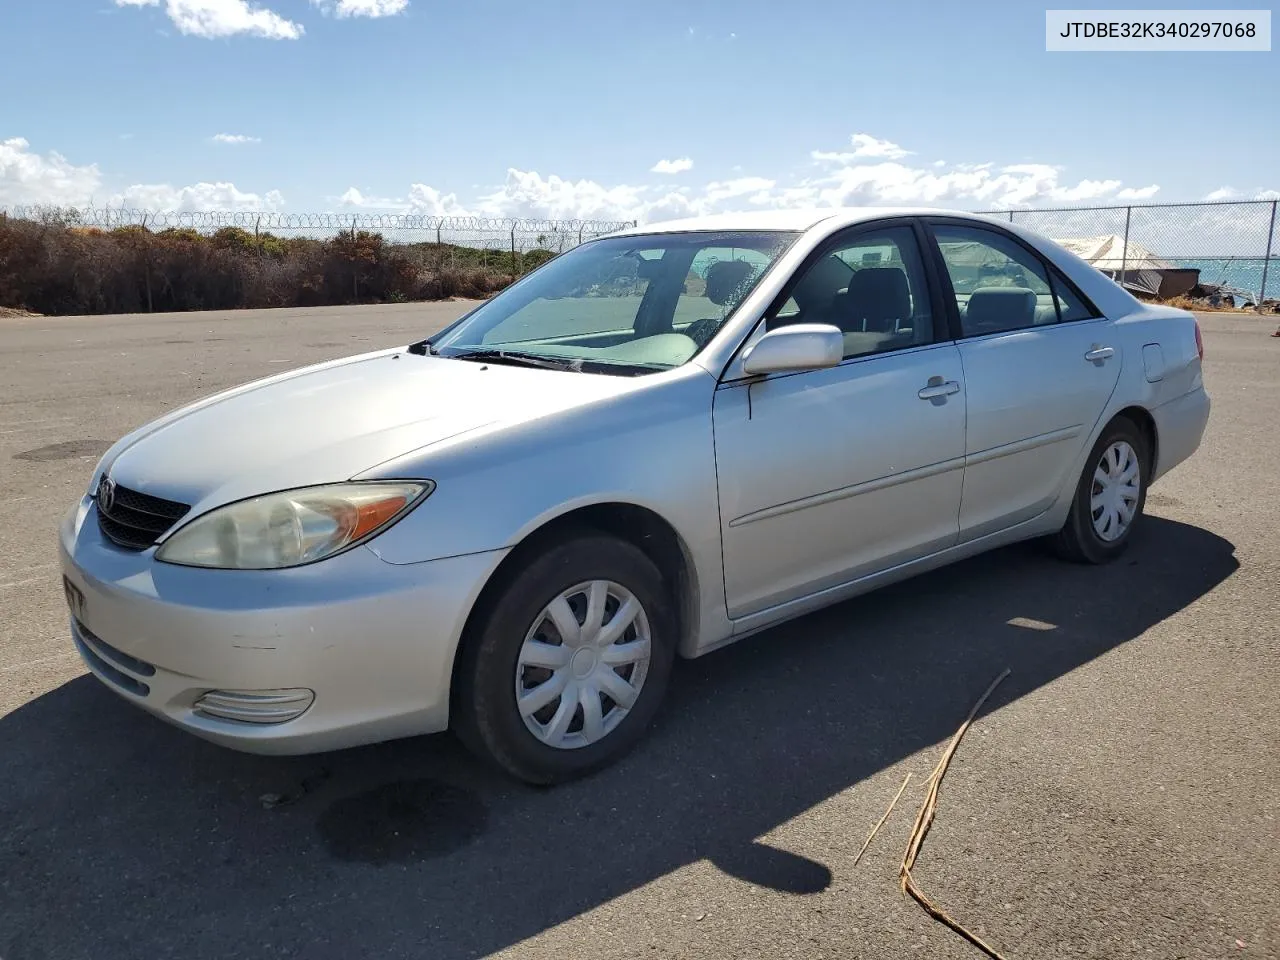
(1110, 252)
(801, 219)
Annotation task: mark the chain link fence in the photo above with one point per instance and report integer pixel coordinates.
(1233, 244)
(502, 237)
(61, 261)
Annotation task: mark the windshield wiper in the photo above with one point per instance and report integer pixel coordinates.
(516, 358)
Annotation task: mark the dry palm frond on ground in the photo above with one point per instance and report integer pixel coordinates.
(924, 820)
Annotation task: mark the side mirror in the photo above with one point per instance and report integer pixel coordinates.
(800, 346)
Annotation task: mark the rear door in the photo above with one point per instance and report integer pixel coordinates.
(1040, 364)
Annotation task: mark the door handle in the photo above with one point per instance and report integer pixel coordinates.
(937, 388)
(1099, 354)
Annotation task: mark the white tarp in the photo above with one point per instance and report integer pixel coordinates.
(1110, 254)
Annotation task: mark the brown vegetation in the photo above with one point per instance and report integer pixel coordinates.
(55, 268)
(1206, 305)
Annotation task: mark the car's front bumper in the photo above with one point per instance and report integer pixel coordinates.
(372, 642)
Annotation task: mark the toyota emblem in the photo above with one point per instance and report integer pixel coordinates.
(106, 494)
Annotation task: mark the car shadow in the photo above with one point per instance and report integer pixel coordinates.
(122, 837)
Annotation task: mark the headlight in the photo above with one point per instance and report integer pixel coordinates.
(293, 527)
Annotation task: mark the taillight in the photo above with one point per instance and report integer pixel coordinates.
(1199, 340)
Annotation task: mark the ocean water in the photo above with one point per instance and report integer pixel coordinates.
(1244, 274)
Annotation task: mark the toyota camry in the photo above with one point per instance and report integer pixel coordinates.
(654, 445)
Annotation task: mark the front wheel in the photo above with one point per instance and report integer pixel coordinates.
(570, 664)
(1109, 498)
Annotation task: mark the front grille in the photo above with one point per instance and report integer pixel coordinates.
(137, 520)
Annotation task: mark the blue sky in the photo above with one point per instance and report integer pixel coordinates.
(564, 108)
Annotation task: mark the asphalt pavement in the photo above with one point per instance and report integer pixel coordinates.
(1118, 796)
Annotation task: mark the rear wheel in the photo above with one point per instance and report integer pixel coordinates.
(1109, 498)
(569, 666)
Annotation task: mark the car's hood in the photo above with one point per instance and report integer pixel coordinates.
(325, 424)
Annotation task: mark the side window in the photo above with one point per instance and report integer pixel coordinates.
(1070, 306)
(999, 284)
(872, 287)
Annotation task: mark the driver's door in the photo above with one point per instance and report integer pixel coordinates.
(828, 475)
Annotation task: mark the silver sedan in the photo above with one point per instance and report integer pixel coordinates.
(654, 445)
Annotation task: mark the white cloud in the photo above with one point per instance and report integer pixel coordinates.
(843, 181)
(234, 138)
(1138, 193)
(847, 182)
(161, 197)
(353, 197)
(865, 147)
(362, 8)
(672, 166)
(27, 177)
(1087, 190)
(428, 201)
(1231, 193)
(718, 191)
(223, 18)
(528, 194)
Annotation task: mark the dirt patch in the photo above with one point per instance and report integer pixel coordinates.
(67, 450)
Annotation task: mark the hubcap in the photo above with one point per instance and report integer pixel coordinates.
(1113, 500)
(583, 664)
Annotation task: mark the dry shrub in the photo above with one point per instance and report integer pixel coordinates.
(1203, 305)
(56, 268)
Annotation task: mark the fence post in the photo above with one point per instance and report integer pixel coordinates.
(1011, 216)
(579, 234)
(437, 234)
(355, 264)
(1124, 252)
(146, 263)
(1271, 232)
(515, 268)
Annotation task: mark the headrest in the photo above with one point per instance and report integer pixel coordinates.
(725, 277)
(880, 293)
(647, 269)
(1001, 308)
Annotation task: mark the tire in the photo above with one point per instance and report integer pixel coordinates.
(1085, 538)
(541, 746)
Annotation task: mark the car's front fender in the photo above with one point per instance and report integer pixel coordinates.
(651, 448)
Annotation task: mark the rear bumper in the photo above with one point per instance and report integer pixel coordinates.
(1180, 425)
(372, 642)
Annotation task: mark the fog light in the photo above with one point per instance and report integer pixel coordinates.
(255, 706)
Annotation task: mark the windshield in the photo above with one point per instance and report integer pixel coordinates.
(637, 304)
